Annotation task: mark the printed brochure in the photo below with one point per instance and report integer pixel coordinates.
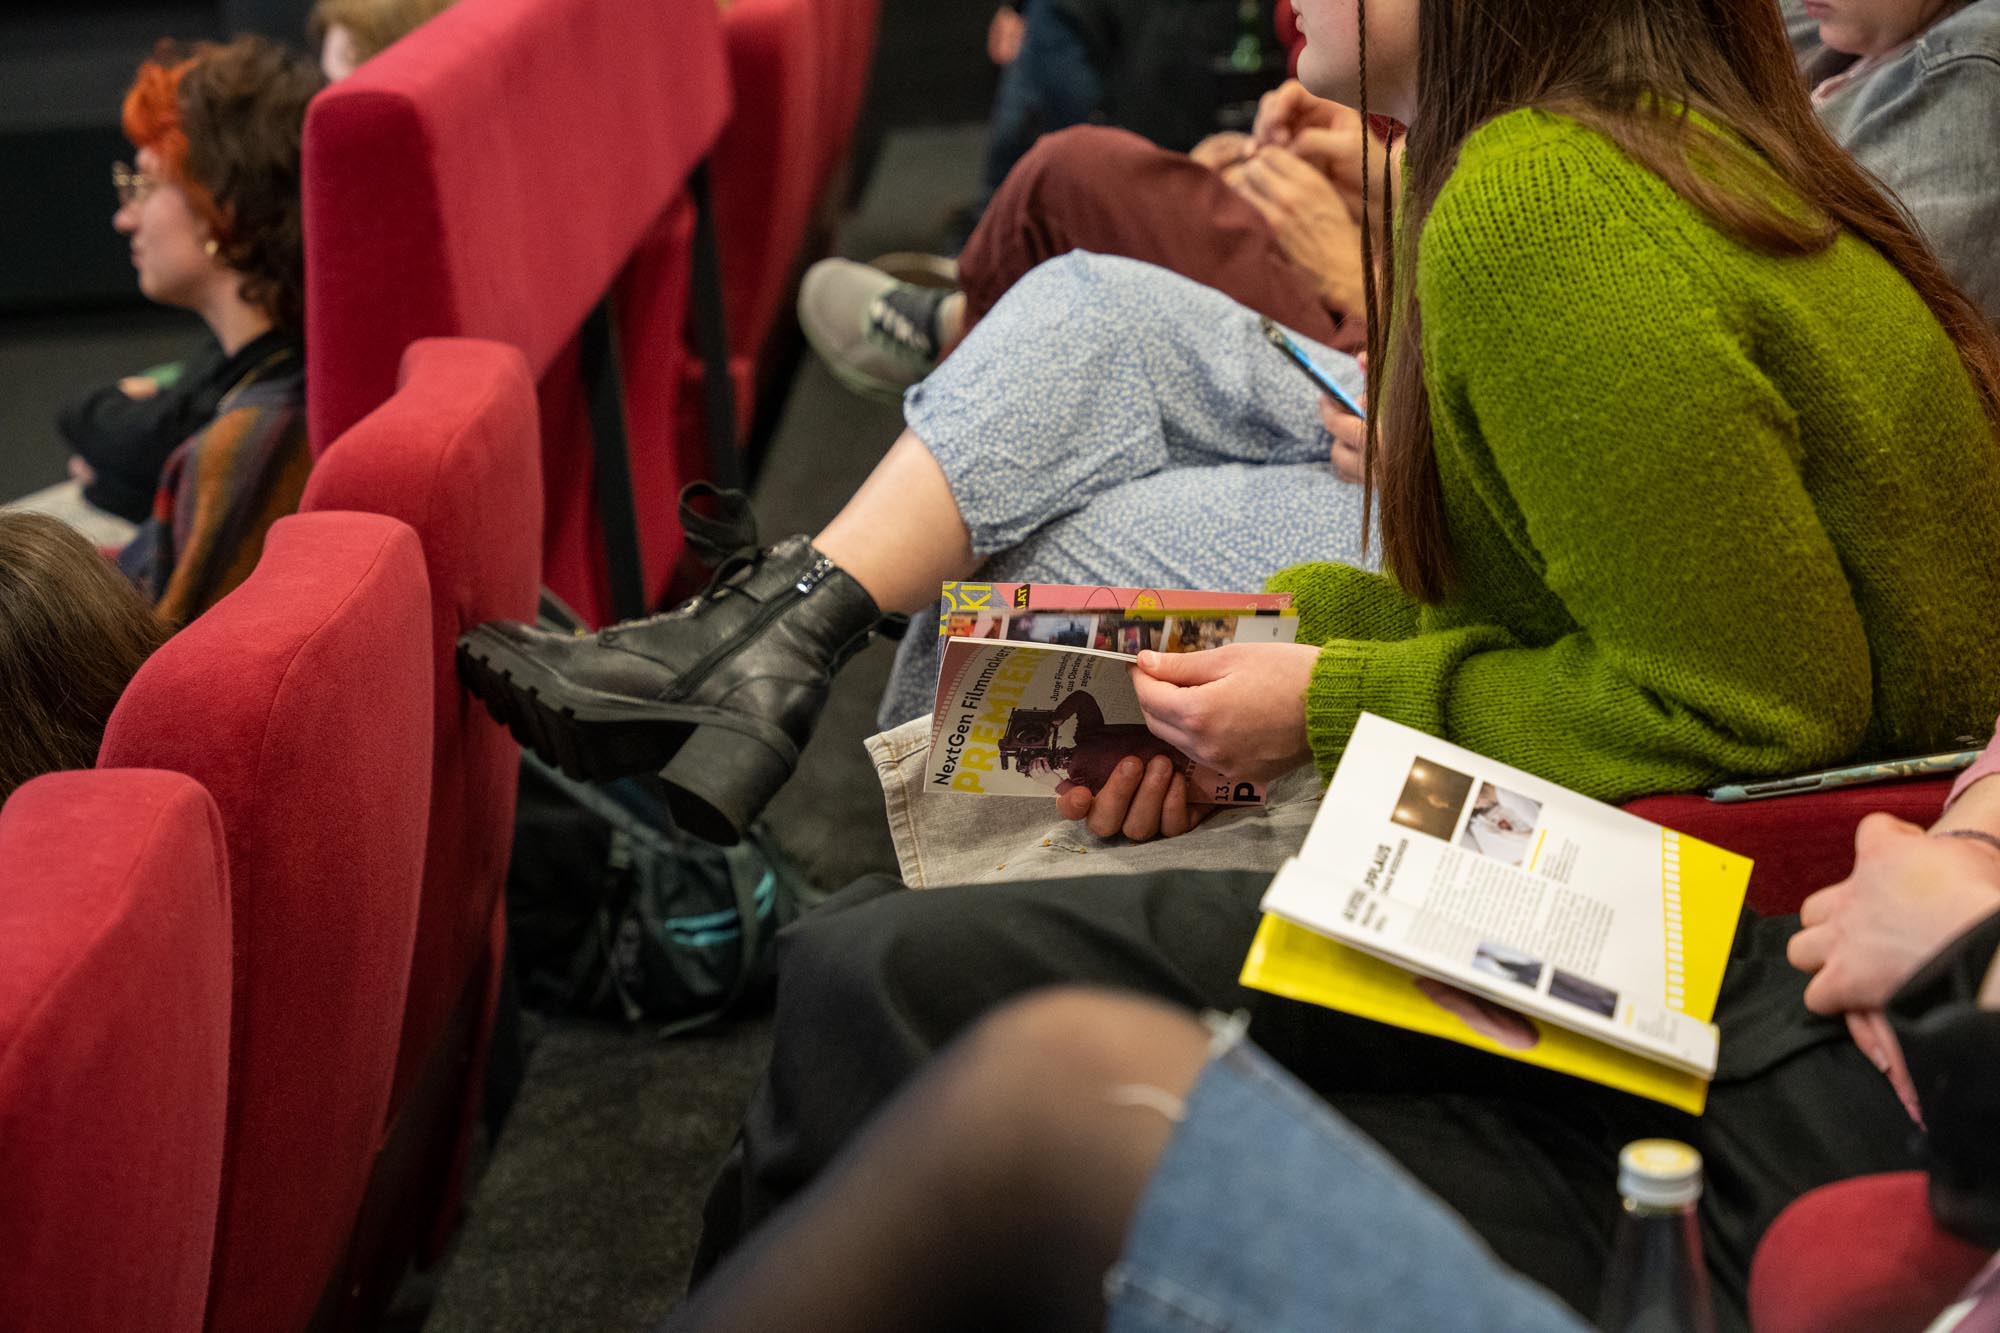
(1035, 715)
(1444, 892)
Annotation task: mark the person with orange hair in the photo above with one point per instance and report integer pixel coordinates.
(213, 215)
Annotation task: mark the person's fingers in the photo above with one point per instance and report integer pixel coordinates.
(1807, 950)
(1198, 668)
(1876, 832)
(1164, 724)
(1073, 802)
(1178, 815)
(1113, 801)
(1222, 149)
(1275, 110)
(1349, 459)
(1334, 153)
(1868, 1029)
(1350, 439)
(1288, 169)
(1142, 819)
(1818, 908)
(1264, 186)
(1826, 993)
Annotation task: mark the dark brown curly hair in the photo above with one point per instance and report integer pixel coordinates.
(239, 108)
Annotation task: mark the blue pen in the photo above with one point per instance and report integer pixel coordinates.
(1297, 356)
(1928, 765)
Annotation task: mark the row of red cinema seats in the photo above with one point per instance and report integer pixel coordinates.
(257, 1130)
(252, 962)
(513, 163)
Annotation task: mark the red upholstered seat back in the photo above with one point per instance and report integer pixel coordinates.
(1800, 843)
(1860, 1256)
(114, 1047)
(454, 454)
(847, 29)
(493, 175)
(772, 159)
(302, 702)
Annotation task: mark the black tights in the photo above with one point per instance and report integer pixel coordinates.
(992, 1193)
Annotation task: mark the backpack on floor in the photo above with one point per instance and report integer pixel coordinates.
(615, 913)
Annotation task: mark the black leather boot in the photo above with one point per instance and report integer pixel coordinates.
(718, 695)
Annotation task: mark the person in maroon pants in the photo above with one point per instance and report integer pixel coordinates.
(1269, 218)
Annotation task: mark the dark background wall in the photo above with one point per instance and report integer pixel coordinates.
(64, 65)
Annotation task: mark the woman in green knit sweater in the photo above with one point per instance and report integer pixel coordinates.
(1687, 469)
(1689, 465)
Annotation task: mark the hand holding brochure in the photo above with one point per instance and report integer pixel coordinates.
(1427, 859)
(1034, 698)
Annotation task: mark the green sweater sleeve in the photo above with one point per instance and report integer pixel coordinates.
(1337, 601)
(1602, 422)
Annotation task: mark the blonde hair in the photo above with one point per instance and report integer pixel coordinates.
(375, 24)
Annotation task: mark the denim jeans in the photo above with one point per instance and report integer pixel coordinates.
(1051, 85)
(1269, 1212)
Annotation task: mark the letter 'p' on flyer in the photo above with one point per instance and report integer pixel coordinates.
(1449, 894)
(1029, 719)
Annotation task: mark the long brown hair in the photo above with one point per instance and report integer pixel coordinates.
(72, 633)
(1638, 72)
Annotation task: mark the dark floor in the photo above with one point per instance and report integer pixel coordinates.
(586, 1218)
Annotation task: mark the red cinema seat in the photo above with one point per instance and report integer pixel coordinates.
(495, 175)
(847, 31)
(454, 454)
(114, 1051)
(770, 163)
(1860, 1256)
(302, 702)
(1800, 843)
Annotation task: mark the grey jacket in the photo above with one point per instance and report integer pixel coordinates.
(1927, 124)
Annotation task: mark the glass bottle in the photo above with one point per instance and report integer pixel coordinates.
(1656, 1282)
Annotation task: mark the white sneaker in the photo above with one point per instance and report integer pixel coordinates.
(877, 335)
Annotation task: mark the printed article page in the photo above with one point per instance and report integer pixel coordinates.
(1502, 884)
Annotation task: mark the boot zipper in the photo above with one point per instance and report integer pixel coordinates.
(770, 611)
(813, 577)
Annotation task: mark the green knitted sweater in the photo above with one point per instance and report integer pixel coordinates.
(1716, 513)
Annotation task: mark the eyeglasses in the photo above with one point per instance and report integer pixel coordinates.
(132, 186)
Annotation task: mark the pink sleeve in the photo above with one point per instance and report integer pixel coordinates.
(1988, 765)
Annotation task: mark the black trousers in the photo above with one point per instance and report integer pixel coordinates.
(881, 977)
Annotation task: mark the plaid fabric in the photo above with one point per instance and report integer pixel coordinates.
(221, 491)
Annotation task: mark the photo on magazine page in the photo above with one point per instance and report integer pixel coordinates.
(1130, 634)
(1432, 800)
(1020, 718)
(1501, 825)
(1060, 629)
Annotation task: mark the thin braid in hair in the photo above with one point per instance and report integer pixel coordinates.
(1370, 296)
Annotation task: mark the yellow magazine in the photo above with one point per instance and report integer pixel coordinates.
(1600, 937)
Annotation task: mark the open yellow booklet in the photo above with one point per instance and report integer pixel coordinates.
(1429, 864)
